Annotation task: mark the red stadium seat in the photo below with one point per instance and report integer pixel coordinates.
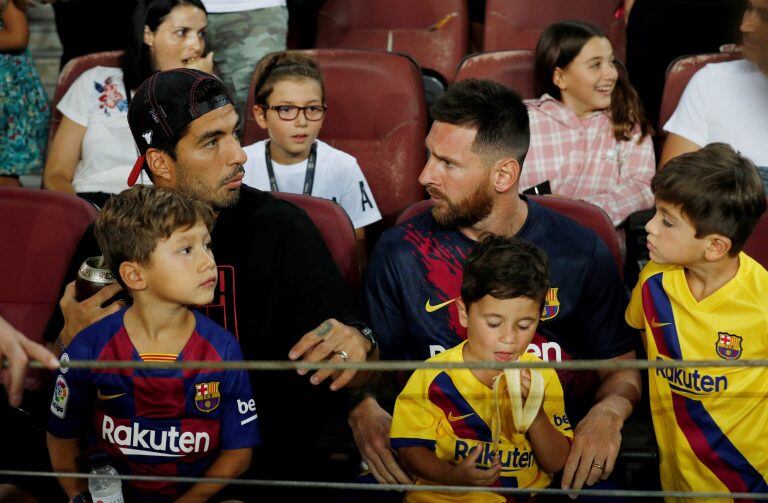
(757, 244)
(517, 24)
(511, 68)
(40, 232)
(679, 73)
(433, 32)
(69, 74)
(337, 231)
(581, 212)
(377, 113)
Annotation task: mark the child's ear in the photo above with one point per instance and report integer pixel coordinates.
(463, 316)
(131, 274)
(718, 247)
(260, 114)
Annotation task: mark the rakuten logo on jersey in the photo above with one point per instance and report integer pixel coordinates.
(137, 441)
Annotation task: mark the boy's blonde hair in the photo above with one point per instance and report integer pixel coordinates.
(132, 223)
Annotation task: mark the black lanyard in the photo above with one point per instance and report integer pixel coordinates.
(309, 178)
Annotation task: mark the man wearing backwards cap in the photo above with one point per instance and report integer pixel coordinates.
(277, 281)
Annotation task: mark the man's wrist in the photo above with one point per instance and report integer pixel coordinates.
(368, 334)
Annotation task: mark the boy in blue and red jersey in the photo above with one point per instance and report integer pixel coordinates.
(156, 421)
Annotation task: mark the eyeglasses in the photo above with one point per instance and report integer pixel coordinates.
(290, 112)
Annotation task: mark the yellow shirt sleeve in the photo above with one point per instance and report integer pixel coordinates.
(634, 315)
(414, 422)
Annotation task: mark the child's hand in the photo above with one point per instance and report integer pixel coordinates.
(525, 383)
(467, 474)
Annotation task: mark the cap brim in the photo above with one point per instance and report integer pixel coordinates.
(136, 171)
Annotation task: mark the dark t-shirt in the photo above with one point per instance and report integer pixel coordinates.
(277, 281)
(415, 274)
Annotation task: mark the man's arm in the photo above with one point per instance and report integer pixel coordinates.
(674, 146)
(597, 437)
(229, 465)
(64, 453)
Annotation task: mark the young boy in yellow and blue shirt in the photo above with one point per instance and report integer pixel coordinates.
(445, 421)
(702, 298)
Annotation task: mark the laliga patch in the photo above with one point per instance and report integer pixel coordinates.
(551, 305)
(207, 396)
(60, 397)
(728, 346)
(64, 360)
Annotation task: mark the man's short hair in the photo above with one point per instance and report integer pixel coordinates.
(131, 223)
(494, 110)
(717, 189)
(505, 268)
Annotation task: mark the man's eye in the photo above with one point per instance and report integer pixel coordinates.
(212, 143)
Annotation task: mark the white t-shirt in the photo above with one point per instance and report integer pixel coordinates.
(726, 102)
(97, 101)
(337, 177)
(219, 6)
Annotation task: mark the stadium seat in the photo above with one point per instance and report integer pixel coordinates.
(40, 232)
(377, 113)
(679, 72)
(433, 32)
(584, 213)
(511, 68)
(757, 244)
(337, 232)
(69, 74)
(517, 24)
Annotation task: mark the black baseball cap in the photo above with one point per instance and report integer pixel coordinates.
(166, 103)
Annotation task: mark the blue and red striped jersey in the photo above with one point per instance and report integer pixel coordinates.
(155, 421)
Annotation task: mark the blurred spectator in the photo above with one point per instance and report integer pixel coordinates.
(88, 26)
(93, 151)
(589, 138)
(241, 32)
(659, 31)
(728, 102)
(24, 108)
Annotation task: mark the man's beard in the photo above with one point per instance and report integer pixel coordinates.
(467, 212)
(218, 199)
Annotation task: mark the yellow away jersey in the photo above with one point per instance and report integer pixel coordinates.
(711, 423)
(450, 411)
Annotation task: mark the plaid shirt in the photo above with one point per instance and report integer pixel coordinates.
(583, 160)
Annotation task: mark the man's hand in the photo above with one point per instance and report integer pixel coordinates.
(370, 426)
(331, 341)
(596, 442)
(79, 315)
(467, 474)
(18, 350)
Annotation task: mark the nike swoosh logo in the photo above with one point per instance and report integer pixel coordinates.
(431, 309)
(453, 418)
(656, 324)
(101, 396)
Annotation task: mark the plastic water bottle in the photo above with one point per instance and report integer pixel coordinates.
(104, 490)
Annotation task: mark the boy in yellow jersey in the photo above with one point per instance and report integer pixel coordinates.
(449, 427)
(702, 298)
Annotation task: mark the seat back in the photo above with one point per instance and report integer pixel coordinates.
(337, 232)
(516, 24)
(376, 113)
(581, 212)
(511, 68)
(40, 231)
(69, 74)
(433, 32)
(757, 244)
(679, 72)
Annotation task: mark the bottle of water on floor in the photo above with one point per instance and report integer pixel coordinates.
(104, 490)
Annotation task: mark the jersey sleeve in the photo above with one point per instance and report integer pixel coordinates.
(239, 420)
(414, 423)
(554, 403)
(635, 314)
(601, 306)
(691, 117)
(73, 396)
(357, 198)
(384, 302)
(75, 103)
